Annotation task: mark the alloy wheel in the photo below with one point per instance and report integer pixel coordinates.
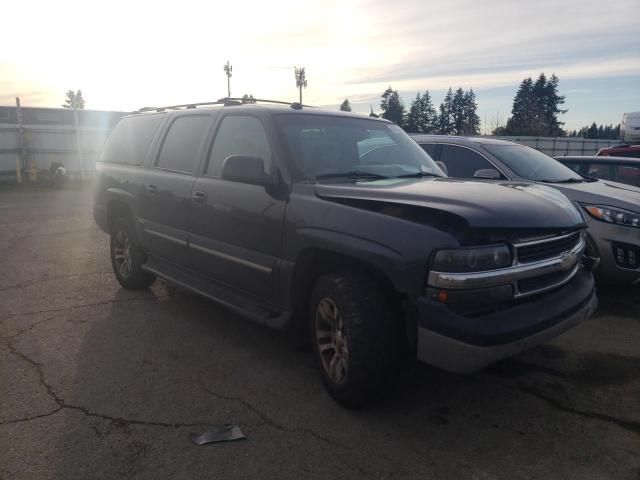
(331, 340)
(122, 253)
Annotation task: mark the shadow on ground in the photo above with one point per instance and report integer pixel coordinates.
(153, 369)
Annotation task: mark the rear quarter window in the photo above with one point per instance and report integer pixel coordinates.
(629, 174)
(130, 139)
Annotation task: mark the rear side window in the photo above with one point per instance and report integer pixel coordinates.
(599, 170)
(130, 139)
(430, 148)
(239, 135)
(182, 143)
(576, 167)
(582, 168)
(462, 162)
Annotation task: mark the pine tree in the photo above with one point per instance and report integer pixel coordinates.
(539, 106)
(413, 117)
(445, 119)
(471, 118)
(428, 121)
(592, 132)
(392, 106)
(536, 108)
(345, 106)
(74, 98)
(522, 110)
(457, 112)
(371, 114)
(552, 102)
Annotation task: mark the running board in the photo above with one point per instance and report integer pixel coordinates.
(232, 301)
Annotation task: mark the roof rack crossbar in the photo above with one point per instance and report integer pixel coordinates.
(227, 101)
(264, 100)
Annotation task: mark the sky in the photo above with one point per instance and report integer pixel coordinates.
(128, 54)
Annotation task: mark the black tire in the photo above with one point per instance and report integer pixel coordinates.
(127, 260)
(368, 342)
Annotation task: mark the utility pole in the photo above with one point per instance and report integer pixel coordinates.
(74, 106)
(227, 70)
(301, 80)
(22, 162)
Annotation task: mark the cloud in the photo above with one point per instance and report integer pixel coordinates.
(162, 55)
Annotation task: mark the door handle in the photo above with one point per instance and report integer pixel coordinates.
(199, 197)
(151, 188)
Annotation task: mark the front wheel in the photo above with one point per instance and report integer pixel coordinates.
(355, 337)
(127, 256)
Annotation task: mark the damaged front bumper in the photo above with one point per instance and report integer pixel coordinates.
(465, 344)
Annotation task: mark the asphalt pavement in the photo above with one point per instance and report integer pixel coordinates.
(97, 382)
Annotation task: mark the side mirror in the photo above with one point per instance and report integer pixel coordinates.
(243, 169)
(488, 174)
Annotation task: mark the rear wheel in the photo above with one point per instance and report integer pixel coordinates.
(127, 256)
(355, 337)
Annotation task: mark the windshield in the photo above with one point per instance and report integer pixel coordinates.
(322, 146)
(531, 164)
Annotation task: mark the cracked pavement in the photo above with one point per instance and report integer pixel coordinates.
(99, 382)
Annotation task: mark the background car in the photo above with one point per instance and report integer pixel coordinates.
(618, 169)
(612, 210)
(630, 127)
(620, 151)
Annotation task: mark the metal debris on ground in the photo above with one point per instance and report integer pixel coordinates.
(223, 433)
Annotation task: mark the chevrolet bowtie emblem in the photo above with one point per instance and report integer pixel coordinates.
(568, 261)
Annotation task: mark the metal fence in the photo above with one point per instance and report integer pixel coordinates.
(48, 144)
(50, 136)
(56, 143)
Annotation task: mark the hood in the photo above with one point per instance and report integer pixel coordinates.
(482, 205)
(602, 192)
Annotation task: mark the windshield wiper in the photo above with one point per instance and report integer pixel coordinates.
(566, 180)
(357, 174)
(419, 174)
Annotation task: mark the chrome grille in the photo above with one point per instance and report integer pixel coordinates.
(530, 285)
(558, 260)
(544, 249)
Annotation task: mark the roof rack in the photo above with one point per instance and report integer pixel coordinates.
(226, 101)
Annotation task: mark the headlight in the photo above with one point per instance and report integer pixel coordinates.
(613, 215)
(472, 259)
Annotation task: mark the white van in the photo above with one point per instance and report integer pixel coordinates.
(630, 127)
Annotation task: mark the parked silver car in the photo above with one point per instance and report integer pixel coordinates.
(611, 210)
